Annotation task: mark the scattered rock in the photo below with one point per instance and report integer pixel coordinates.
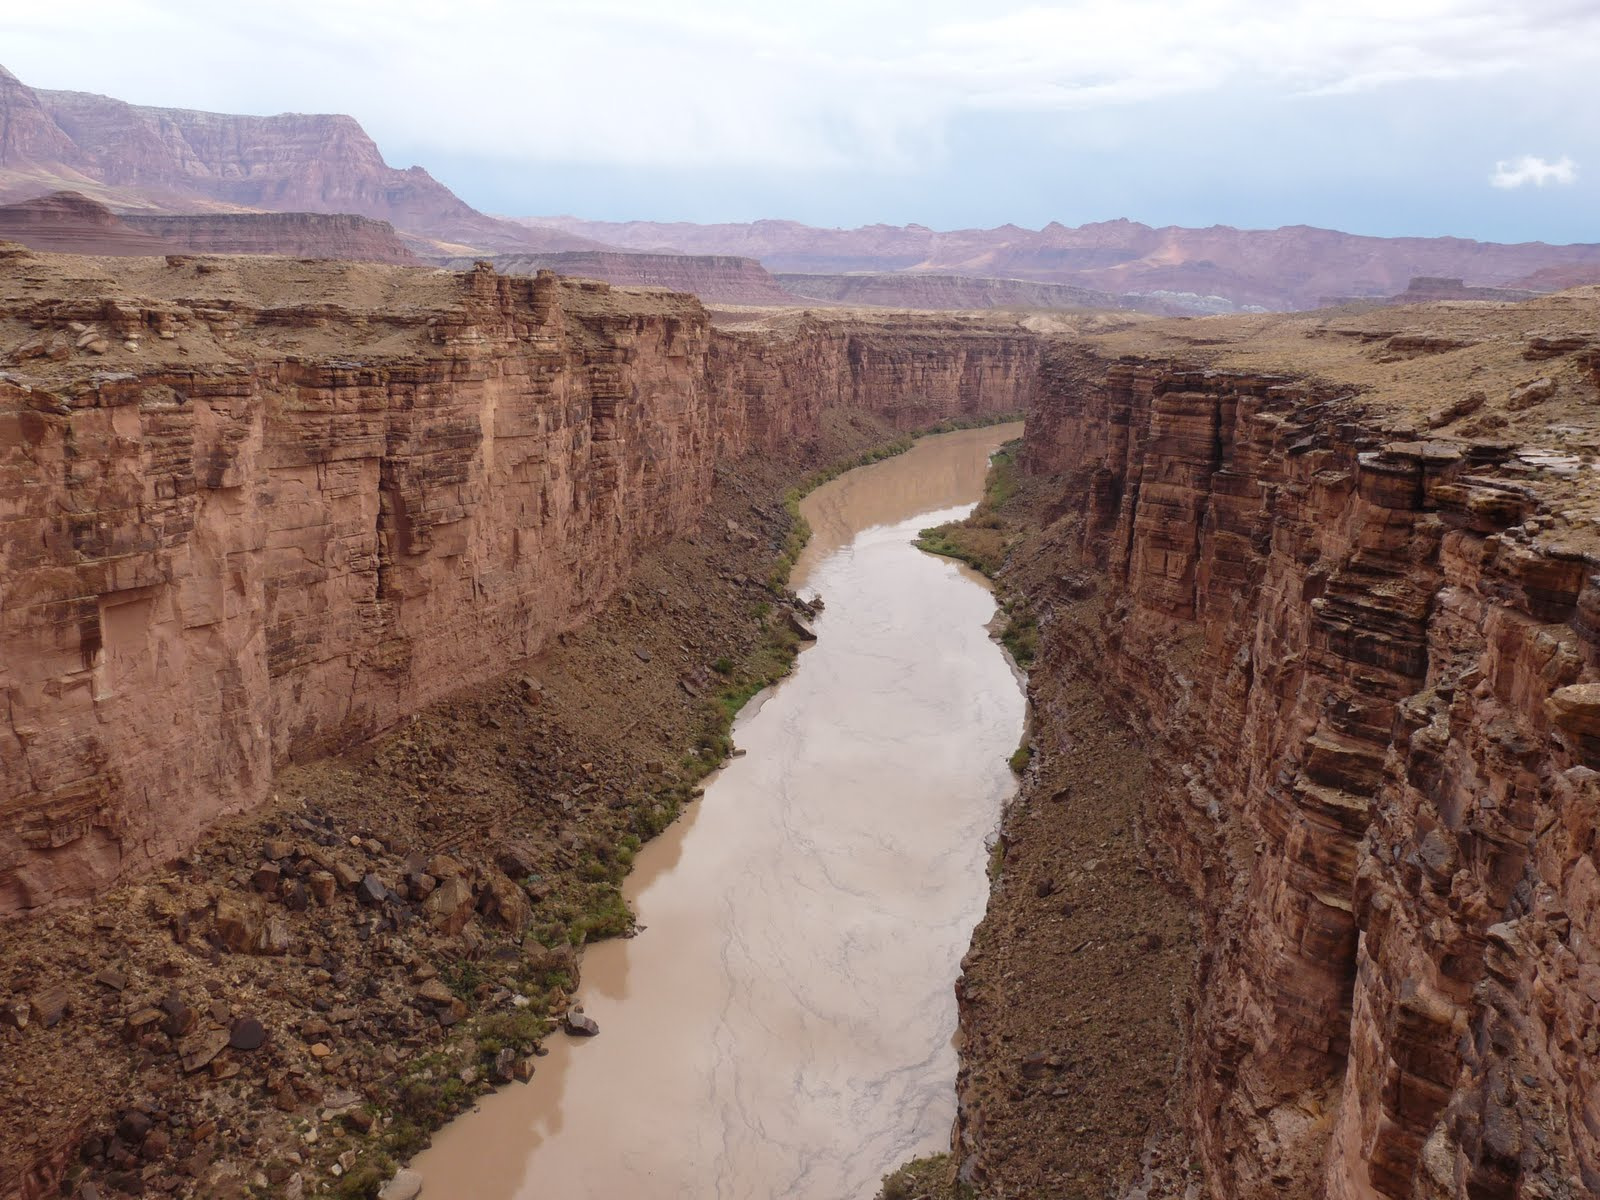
(799, 626)
(436, 993)
(371, 891)
(49, 1007)
(133, 1125)
(505, 1065)
(246, 928)
(199, 1049)
(506, 903)
(111, 978)
(345, 875)
(450, 906)
(266, 878)
(247, 1034)
(1531, 393)
(516, 861)
(1464, 407)
(323, 886)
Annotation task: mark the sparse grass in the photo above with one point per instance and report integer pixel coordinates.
(932, 1178)
(997, 858)
(1021, 637)
(463, 977)
(980, 540)
(1021, 758)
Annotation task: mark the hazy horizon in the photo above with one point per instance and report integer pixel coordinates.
(1433, 118)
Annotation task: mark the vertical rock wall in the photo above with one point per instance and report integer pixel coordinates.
(208, 570)
(1344, 652)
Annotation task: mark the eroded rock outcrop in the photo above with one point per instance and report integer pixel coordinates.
(251, 528)
(715, 278)
(1365, 667)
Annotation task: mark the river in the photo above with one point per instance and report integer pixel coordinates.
(782, 1025)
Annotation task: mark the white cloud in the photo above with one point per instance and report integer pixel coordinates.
(842, 84)
(1516, 172)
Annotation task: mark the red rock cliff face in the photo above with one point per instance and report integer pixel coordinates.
(344, 514)
(1345, 652)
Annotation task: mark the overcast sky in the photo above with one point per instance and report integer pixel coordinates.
(1470, 117)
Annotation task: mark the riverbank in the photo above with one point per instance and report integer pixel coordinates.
(1074, 992)
(434, 888)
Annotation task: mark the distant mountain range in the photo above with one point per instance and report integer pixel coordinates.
(1293, 267)
(142, 163)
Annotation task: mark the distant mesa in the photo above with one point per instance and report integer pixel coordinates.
(70, 223)
(168, 160)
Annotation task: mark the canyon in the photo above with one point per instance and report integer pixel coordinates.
(1314, 689)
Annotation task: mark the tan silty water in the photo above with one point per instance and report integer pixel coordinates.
(782, 1026)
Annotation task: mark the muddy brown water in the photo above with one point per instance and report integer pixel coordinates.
(783, 1024)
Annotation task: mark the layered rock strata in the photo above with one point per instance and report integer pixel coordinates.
(1365, 670)
(251, 511)
(299, 235)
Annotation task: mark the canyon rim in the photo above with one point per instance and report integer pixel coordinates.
(378, 575)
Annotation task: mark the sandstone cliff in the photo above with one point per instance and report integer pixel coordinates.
(255, 510)
(1364, 666)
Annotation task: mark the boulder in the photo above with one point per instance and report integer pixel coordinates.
(506, 902)
(579, 1024)
(371, 891)
(406, 1185)
(1576, 709)
(450, 907)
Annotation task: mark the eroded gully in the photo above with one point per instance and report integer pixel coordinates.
(782, 1025)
